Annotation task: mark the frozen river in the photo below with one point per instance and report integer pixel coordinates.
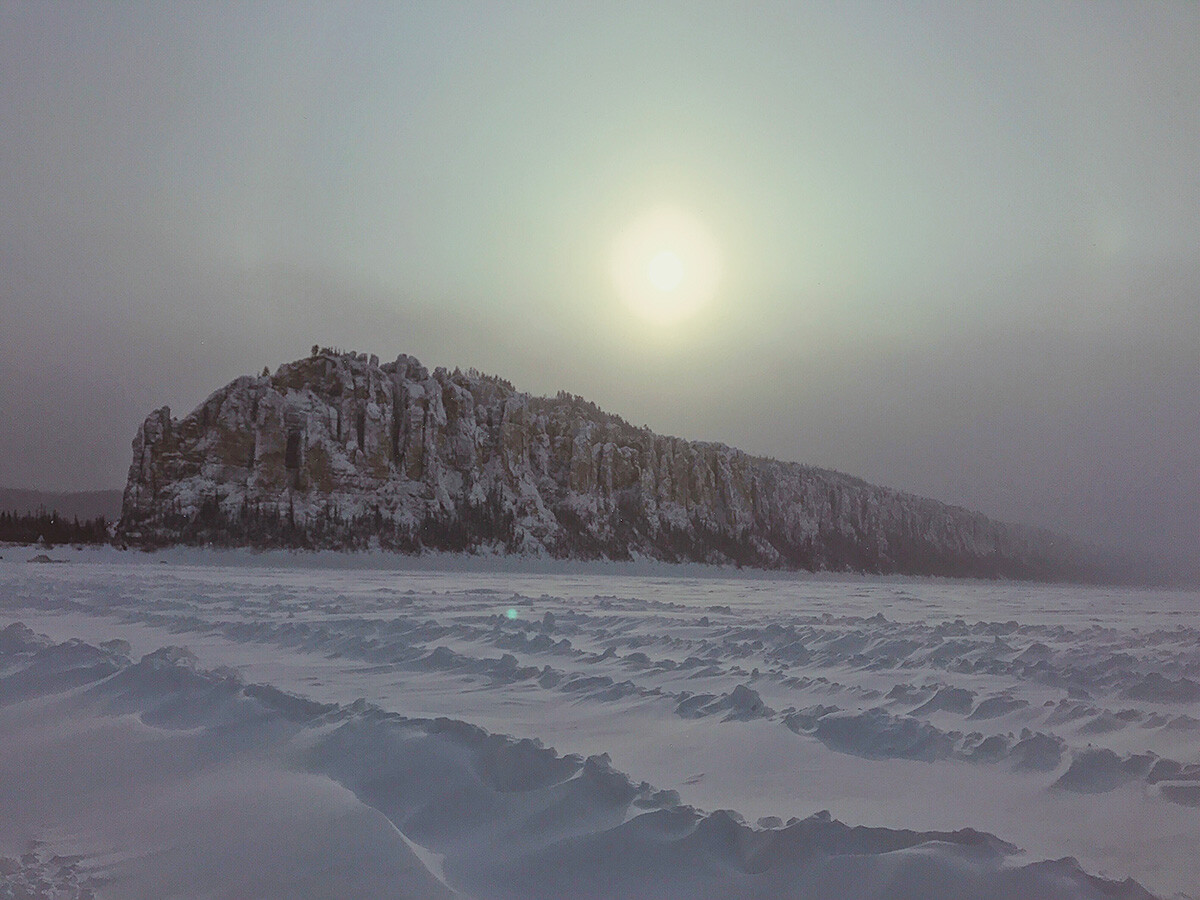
(1065, 721)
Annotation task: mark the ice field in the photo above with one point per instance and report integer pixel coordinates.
(376, 727)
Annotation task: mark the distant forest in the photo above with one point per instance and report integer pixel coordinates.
(50, 528)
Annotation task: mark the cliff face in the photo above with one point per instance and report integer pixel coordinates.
(338, 451)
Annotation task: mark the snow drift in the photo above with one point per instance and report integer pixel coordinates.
(158, 777)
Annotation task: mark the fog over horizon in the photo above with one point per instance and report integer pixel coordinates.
(958, 244)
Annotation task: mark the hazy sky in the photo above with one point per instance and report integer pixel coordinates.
(959, 243)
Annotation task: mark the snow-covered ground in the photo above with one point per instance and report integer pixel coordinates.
(573, 731)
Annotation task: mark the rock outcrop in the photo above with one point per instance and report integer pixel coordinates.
(339, 451)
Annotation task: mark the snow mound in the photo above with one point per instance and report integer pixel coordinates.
(1094, 771)
(1160, 689)
(948, 699)
(993, 707)
(876, 734)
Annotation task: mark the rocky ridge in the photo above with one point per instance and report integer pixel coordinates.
(339, 451)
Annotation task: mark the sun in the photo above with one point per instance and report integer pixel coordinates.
(665, 271)
(665, 265)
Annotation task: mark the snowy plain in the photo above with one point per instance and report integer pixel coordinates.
(373, 726)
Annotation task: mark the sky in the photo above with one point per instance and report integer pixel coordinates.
(950, 248)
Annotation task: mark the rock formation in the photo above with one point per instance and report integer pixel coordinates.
(338, 451)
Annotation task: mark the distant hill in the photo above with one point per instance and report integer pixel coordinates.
(338, 451)
(82, 504)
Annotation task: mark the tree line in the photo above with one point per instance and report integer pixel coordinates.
(50, 528)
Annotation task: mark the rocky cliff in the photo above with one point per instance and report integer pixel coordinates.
(339, 451)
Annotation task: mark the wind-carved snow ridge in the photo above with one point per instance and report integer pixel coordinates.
(338, 451)
(507, 818)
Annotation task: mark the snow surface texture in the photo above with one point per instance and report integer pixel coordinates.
(377, 732)
(338, 451)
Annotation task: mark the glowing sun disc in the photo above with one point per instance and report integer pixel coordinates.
(665, 265)
(665, 271)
